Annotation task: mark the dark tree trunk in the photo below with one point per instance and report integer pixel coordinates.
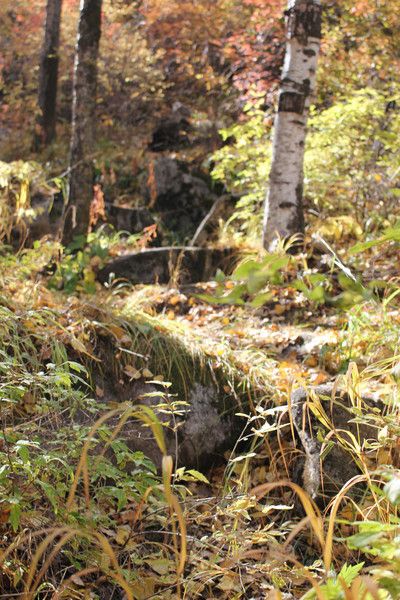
(45, 131)
(76, 220)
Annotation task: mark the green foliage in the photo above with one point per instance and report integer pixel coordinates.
(390, 234)
(381, 540)
(256, 279)
(243, 166)
(351, 161)
(76, 271)
(334, 588)
(30, 387)
(352, 156)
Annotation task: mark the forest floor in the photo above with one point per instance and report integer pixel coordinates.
(232, 542)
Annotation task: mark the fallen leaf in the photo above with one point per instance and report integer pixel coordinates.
(132, 372)
(147, 373)
(279, 309)
(122, 535)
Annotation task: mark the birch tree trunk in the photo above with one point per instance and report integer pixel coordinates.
(45, 130)
(76, 218)
(283, 214)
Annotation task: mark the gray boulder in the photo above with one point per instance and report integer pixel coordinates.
(180, 195)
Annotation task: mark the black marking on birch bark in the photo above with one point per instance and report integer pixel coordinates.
(296, 223)
(293, 102)
(299, 208)
(296, 86)
(304, 20)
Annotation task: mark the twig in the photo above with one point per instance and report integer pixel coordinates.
(206, 219)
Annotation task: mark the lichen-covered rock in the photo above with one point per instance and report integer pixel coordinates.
(204, 430)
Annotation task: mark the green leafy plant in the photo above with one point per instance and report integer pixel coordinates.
(243, 166)
(255, 280)
(76, 271)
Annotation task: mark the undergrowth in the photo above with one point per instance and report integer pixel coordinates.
(83, 513)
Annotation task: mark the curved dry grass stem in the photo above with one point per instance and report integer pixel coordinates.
(67, 534)
(305, 521)
(167, 468)
(143, 413)
(147, 416)
(67, 582)
(57, 548)
(83, 459)
(311, 509)
(328, 550)
(41, 549)
(319, 594)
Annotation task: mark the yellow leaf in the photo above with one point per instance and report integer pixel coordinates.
(162, 566)
(175, 300)
(144, 588)
(228, 584)
(321, 378)
(384, 457)
(132, 372)
(117, 331)
(24, 195)
(122, 535)
(77, 344)
(158, 378)
(30, 324)
(147, 373)
(312, 361)
(279, 309)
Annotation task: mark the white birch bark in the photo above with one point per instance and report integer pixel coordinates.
(283, 214)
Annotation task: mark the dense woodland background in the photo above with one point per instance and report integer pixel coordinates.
(199, 367)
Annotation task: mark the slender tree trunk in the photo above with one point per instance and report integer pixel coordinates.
(283, 215)
(45, 130)
(76, 219)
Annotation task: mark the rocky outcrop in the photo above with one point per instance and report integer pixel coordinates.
(160, 265)
(181, 195)
(132, 220)
(196, 435)
(172, 131)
